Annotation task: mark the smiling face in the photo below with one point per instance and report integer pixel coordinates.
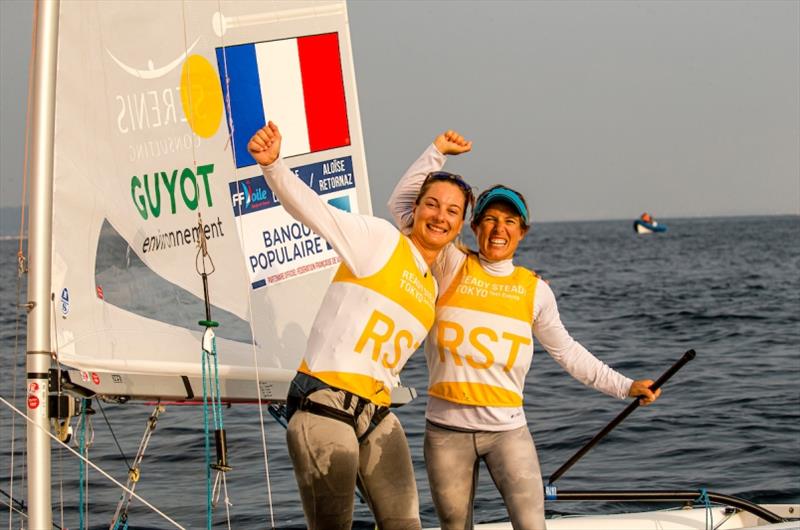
(499, 231)
(438, 217)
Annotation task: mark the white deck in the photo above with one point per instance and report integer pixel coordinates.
(674, 519)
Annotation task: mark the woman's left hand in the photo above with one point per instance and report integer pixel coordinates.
(452, 143)
(641, 389)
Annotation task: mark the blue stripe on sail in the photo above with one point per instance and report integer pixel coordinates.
(245, 96)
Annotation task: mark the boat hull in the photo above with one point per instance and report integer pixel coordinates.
(675, 519)
(641, 227)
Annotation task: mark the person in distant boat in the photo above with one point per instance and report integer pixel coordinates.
(645, 217)
(480, 350)
(375, 313)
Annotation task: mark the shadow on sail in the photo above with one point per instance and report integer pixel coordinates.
(125, 281)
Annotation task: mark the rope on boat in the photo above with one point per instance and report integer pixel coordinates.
(210, 371)
(134, 472)
(124, 524)
(232, 143)
(18, 507)
(212, 398)
(703, 498)
(14, 504)
(60, 421)
(22, 269)
(221, 484)
(114, 436)
(16, 359)
(92, 464)
(84, 449)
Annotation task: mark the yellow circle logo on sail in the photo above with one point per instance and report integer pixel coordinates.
(201, 96)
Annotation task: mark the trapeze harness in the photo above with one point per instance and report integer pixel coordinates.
(304, 385)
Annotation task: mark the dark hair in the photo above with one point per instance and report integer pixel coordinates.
(500, 193)
(444, 176)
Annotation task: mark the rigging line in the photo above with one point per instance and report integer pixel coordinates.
(22, 513)
(127, 464)
(121, 513)
(227, 499)
(82, 504)
(210, 377)
(60, 466)
(19, 505)
(92, 464)
(206, 442)
(215, 493)
(190, 119)
(16, 359)
(25, 166)
(54, 355)
(12, 509)
(86, 419)
(725, 520)
(231, 138)
(192, 122)
(65, 433)
(217, 398)
(21, 257)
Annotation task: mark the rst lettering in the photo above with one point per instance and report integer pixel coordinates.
(516, 342)
(371, 332)
(483, 340)
(403, 336)
(452, 342)
(473, 339)
(380, 329)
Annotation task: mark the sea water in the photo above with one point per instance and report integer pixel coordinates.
(728, 421)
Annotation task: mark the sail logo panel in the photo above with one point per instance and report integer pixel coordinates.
(297, 83)
(277, 247)
(143, 165)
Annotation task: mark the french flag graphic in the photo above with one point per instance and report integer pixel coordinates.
(297, 83)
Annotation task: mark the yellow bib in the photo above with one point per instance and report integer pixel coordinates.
(367, 328)
(483, 337)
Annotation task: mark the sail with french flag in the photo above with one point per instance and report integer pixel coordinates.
(297, 83)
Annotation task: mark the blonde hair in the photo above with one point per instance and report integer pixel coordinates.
(456, 180)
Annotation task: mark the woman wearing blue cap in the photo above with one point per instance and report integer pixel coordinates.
(480, 349)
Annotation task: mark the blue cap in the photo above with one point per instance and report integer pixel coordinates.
(500, 194)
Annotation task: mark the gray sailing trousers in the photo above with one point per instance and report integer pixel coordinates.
(452, 459)
(328, 460)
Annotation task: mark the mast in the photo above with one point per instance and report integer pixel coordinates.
(39, 254)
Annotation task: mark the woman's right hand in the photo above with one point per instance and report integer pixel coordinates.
(452, 143)
(641, 389)
(265, 145)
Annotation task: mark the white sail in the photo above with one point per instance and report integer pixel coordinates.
(147, 94)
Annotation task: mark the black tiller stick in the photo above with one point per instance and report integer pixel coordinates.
(688, 356)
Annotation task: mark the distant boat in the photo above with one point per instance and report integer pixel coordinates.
(640, 227)
(646, 224)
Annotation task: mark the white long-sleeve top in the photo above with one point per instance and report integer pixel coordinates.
(380, 304)
(546, 326)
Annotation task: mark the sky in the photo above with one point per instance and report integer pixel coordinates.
(593, 110)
